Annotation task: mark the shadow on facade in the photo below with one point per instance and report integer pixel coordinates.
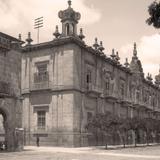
(11, 138)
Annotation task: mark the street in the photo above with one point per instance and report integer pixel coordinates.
(85, 153)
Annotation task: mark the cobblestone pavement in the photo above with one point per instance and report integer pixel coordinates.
(88, 153)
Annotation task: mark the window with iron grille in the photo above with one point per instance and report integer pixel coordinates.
(42, 72)
(107, 83)
(42, 68)
(41, 119)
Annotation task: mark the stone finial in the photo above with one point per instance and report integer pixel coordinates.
(29, 39)
(157, 78)
(117, 58)
(20, 37)
(56, 33)
(149, 77)
(135, 50)
(113, 54)
(126, 64)
(69, 3)
(81, 35)
(101, 48)
(96, 45)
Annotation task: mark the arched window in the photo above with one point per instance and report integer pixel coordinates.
(107, 83)
(67, 29)
(73, 28)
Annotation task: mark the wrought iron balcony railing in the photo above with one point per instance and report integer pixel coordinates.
(40, 86)
(41, 77)
(41, 81)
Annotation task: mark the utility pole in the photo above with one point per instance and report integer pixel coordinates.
(38, 23)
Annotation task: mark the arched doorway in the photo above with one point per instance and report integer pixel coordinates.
(3, 137)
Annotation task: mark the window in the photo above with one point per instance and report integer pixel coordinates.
(67, 29)
(122, 89)
(42, 68)
(89, 116)
(42, 72)
(41, 119)
(107, 84)
(137, 95)
(73, 29)
(89, 76)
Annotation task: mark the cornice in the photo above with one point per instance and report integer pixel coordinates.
(77, 41)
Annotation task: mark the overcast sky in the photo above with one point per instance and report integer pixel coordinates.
(118, 23)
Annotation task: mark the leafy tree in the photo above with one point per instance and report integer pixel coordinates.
(107, 123)
(124, 127)
(147, 128)
(110, 124)
(154, 12)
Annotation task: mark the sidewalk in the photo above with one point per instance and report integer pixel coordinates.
(85, 149)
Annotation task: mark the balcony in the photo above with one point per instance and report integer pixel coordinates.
(91, 88)
(43, 77)
(4, 88)
(41, 82)
(109, 94)
(40, 86)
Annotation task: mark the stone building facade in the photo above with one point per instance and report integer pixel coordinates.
(65, 82)
(10, 91)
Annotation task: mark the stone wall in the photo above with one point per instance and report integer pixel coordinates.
(10, 97)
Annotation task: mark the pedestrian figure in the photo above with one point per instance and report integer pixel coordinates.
(37, 141)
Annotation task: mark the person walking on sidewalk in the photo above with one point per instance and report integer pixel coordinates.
(37, 141)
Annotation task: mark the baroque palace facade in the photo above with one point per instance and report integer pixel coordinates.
(65, 82)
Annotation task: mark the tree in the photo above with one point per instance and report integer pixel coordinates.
(110, 125)
(154, 12)
(124, 127)
(147, 128)
(136, 124)
(107, 123)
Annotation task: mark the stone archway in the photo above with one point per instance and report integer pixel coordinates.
(13, 136)
(4, 116)
(2, 132)
(7, 136)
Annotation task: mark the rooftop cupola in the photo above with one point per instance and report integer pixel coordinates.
(69, 19)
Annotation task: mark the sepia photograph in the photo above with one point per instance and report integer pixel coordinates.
(80, 80)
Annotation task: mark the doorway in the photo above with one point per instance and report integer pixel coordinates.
(3, 145)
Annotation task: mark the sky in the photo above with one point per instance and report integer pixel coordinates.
(118, 23)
